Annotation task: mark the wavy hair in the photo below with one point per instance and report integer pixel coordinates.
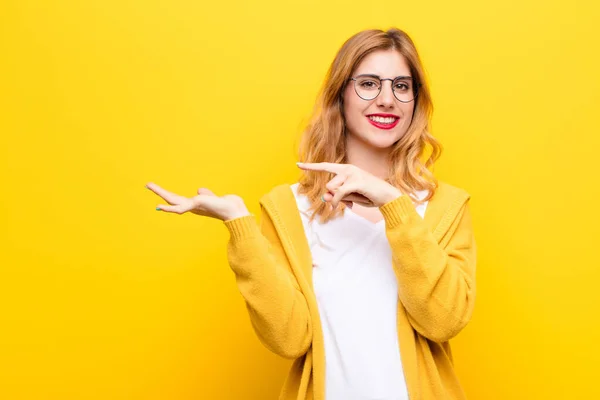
(323, 140)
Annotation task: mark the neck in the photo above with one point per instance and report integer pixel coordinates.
(371, 159)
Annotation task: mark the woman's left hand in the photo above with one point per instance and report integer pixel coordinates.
(353, 185)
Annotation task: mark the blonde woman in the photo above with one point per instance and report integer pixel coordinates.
(364, 269)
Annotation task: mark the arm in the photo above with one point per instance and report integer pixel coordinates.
(277, 308)
(436, 283)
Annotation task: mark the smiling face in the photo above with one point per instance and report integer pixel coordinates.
(381, 122)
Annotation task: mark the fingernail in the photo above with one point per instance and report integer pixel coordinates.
(157, 208)
(323, 198)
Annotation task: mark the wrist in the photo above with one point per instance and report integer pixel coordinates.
(391, 194)
(236, 213)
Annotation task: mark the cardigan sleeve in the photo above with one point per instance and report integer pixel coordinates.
(277, 307)
(436, 281)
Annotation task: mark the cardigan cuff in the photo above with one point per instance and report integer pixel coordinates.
(397, 211)
(242, 227)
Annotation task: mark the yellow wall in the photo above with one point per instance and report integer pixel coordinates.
(102, 297)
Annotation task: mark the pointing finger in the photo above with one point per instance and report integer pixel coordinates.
(324, 166)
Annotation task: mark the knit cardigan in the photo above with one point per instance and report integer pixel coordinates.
(434, 262)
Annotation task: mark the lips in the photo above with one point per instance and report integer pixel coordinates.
(383, 121)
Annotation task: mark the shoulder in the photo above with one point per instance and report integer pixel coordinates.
(287, 209)
(446, 192)
(281, 191)
(446, 203)
(285, 196)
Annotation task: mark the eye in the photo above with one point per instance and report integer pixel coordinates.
(402, 86)
(368, 83)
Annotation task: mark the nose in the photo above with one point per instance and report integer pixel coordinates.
(386, 96)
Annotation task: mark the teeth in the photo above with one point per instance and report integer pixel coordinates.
(382, 120)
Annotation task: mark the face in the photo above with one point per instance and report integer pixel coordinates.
(380, 122)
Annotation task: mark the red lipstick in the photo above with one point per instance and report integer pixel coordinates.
(381, 125)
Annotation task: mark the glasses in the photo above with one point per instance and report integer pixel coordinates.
(367, 87)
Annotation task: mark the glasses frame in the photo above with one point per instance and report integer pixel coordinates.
(416, 86)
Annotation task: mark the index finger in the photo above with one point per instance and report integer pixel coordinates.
(322, 166)
(169, 197)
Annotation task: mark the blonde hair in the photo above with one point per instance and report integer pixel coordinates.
(323, 140)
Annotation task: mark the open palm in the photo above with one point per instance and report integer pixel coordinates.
(205, 203)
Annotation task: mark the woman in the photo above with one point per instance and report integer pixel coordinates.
(363, 295)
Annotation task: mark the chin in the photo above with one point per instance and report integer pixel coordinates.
(381, 143)
(382, 140)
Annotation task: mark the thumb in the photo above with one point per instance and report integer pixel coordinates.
(206, 191)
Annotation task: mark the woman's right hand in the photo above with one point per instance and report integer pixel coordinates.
(206, 203)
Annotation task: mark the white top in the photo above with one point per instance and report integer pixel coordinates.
(357, 295)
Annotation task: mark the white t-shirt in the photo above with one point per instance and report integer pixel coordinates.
(357, 296)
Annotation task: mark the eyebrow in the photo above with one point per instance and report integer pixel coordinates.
(378, 77)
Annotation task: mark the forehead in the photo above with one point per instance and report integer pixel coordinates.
(385, 63)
